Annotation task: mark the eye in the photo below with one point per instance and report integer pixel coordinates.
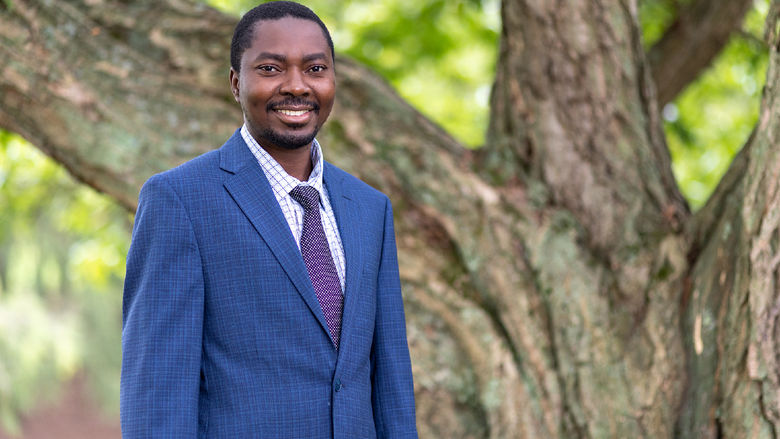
(266, 68)
(317, 69)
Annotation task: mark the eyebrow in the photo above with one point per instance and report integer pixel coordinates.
(314, 57)
(269, 55)
(281, 58)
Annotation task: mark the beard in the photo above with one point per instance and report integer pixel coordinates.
(289, 141)
(293, 140)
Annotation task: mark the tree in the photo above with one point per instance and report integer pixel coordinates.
(556, 283)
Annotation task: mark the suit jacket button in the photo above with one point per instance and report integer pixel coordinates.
(338, 385)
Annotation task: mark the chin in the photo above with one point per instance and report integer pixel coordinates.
(289, 141)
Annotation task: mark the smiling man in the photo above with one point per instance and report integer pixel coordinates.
(262, 296)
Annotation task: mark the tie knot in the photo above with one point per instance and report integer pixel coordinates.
(307, 196)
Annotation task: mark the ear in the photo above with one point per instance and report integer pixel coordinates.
(234, 84)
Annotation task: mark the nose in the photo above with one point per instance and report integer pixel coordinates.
(295, 83)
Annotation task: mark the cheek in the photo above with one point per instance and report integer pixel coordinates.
(327, 97)
(325, 111)
(256, 92)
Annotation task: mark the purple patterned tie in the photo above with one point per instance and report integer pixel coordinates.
(318, 259)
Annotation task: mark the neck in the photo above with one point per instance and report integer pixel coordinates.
(296, 162)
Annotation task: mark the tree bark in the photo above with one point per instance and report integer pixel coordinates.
(555, 282)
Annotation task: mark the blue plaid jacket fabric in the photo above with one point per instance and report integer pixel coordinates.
(223, 336)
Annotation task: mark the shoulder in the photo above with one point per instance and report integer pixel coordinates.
(193, 169)
(354, 186)
(179, 186)
(196, 174)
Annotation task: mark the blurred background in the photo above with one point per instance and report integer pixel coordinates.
(63, 245)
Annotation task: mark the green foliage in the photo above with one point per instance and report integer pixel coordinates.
(62, 250)
(655, 16)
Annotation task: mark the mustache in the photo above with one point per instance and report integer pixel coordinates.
(294, 102)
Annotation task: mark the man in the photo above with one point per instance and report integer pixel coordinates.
(262, 296)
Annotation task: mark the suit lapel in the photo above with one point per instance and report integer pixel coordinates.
(251, 191)
(347, 212)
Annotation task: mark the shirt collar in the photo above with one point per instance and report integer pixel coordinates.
(282, 182)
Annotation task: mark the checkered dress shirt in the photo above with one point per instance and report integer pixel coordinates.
(282, 183)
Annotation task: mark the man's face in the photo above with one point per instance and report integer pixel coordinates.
(287, 83)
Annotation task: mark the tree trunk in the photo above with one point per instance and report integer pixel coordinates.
(555, 282)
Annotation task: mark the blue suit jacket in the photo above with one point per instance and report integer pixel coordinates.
(223, 336)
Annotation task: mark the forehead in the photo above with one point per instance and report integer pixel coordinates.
(288, 36)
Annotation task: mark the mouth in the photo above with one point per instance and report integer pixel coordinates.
(293, 113)
(293, 107)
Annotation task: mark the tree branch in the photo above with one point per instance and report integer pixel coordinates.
(138, 75)
(691, 42)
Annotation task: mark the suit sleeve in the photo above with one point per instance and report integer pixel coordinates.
(162, 320)
(392, 389)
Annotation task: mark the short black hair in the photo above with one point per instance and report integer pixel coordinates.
(242, 35)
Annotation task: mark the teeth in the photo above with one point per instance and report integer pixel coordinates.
(293, 112)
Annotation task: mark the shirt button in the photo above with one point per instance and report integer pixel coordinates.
(338, 385)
